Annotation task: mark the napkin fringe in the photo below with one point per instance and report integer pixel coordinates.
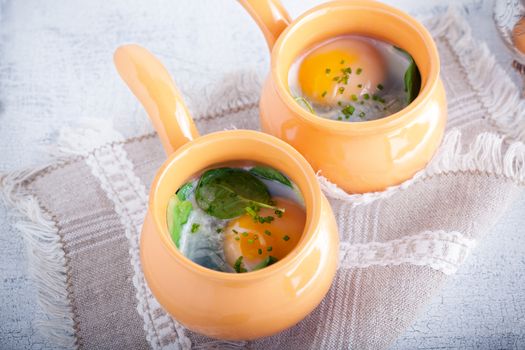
(500, 97)
(488, 155)
(47, 259)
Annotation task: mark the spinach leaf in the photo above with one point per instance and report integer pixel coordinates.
(225, 193)
(184, 191)
(270, 174)
(270, 260)
(412, 77)
(412, 81)
(177, 215)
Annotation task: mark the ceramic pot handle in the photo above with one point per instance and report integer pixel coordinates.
(151, 83)
(270, 15)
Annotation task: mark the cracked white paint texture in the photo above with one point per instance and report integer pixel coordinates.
(56, 69)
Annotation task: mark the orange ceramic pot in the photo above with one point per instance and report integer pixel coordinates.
(218, 304)
(357, 156)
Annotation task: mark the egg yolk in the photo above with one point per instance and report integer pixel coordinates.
(340, 71)
(255, 241)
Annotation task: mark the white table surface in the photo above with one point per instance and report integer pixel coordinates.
(56, 70)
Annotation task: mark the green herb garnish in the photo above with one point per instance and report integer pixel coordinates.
(259, 251)
(366, 96)
(265, 219)
(348, 111)
(362, 114)
(269, 249)
(238, 265)
(323, 94)
(358, 71)
(195, 227)
(286, 238)
(380, 86)
(341, 90)
(226, 193)
(266, 232)
(342, 62)
(353, 97)
(339, 118)
(359, 86)
(327, 70)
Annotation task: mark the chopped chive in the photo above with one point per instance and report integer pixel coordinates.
(341, 90)
(382, 100)
(380, 86)
(259, 251)
(339, 103)
(347, 70)
(358, 71)
(255, 237)
(348, 111)
(279, 213)
(327, 70)
(269, 249)
(366, 96)
(323, 94)
(342, 62)
(238, 265)
(219, 230)
(237, 238)
(375, 97)
(339, 118)
(195, 228)
(354, 97)
(266, 232)
(235, 231)
(335, 78)
(245, 234)
(361, 102)
(250, 241)
(345, 79)
(359, 86)
(286, 238)
(362, 114)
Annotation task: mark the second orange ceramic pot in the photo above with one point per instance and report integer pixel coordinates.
(357, 156)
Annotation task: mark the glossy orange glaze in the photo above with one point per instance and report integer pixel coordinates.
(357, 156)
(218, 304)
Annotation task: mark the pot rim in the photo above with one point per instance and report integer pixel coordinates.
(311, 193)
(373, 126)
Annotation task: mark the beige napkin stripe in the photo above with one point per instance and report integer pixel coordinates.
(115, 173)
